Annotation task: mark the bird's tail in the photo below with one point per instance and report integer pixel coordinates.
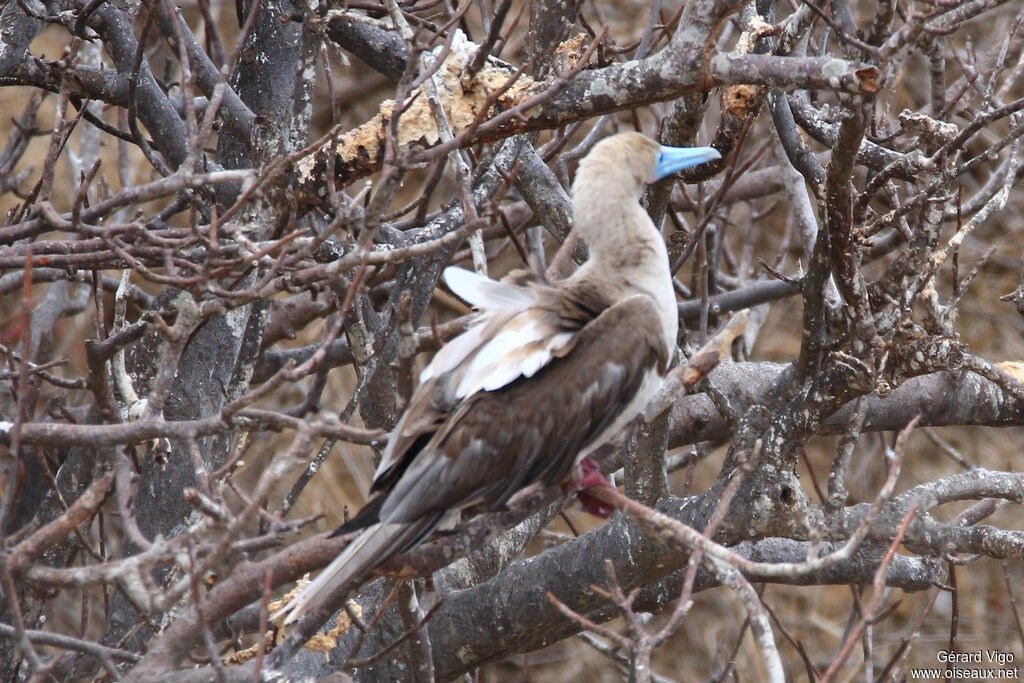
(372, 548)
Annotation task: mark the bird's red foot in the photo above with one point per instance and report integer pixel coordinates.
(590, 476)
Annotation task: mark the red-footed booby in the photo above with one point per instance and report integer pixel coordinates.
(548, 373)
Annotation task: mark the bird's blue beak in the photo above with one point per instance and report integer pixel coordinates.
(672, 159)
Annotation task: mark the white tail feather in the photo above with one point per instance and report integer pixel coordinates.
(366, 551)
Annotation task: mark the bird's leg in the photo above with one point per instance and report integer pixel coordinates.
(590, 475)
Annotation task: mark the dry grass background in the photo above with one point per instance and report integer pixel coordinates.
(815, 616)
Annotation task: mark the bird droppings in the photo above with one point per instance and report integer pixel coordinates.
(762, 505)
(236, 321)
(834, 70)
(599, 86)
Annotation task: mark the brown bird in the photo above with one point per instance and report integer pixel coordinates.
(548, 373)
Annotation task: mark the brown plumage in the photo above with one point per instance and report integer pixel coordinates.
(550, 371)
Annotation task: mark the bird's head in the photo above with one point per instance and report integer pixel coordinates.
(633, 159)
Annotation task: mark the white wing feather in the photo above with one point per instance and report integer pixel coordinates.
(512, 353)
(454, 352)
(485, 293)
(512, 339)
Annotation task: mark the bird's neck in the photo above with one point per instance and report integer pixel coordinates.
(611, 221)
(627, 255)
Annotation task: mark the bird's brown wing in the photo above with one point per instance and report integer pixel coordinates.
(504, 345)
(497, 442)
